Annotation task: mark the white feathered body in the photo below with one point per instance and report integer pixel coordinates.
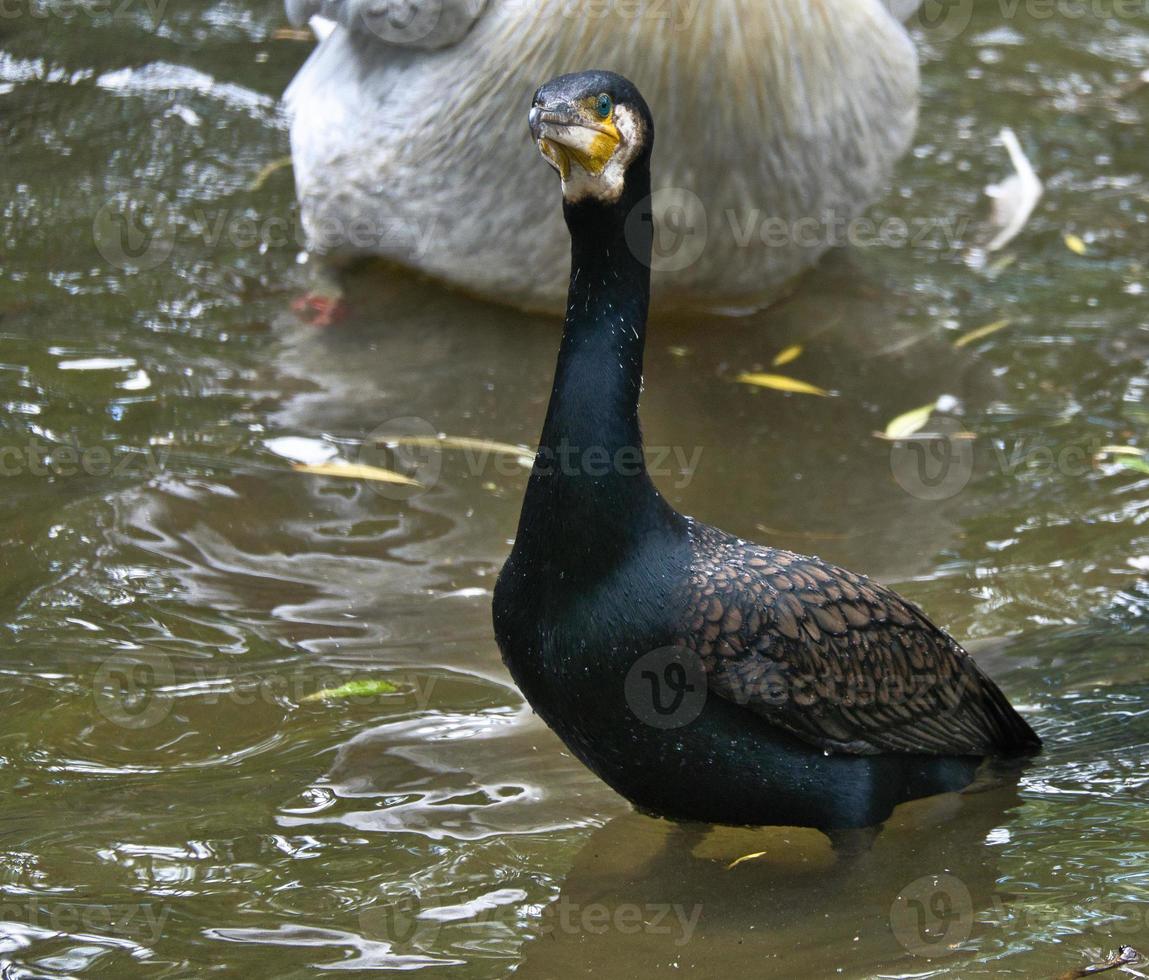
(772, 116)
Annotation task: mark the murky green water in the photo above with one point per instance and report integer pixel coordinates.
(172, 592)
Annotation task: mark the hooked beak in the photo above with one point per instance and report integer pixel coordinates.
(566, 137)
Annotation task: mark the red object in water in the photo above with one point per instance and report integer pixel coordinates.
(319, 310)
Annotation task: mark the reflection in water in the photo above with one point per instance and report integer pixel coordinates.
(680, 898)
(173, 801)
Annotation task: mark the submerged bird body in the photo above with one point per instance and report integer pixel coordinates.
(701, 676)
(790, 116)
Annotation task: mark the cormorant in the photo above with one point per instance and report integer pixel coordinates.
(703, 677)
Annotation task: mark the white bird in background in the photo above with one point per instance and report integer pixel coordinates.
(784, 118)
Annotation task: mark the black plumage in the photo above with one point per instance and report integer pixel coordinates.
(781, 689)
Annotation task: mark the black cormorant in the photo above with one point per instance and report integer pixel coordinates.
(705, 678)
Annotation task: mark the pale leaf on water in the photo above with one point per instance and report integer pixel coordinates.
(982, 332)
(1015, 197)
(1120, 451)
(272, 168)
(745, 857)
(787, 356)
(780, 382)
(909, 423)
(1074, 244)
(464, 443)
(355, 471)
(353, 689)
(292, 34)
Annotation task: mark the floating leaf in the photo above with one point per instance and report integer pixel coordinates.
(790, 354)
(355, 471)
(272, 168)
(353, 689)
(982, 332)
(1074, 244)
(1015, 197)
(998, 267)
(465, 443)
(1121, 451)
(745, 857)
(908, 423)
(1135, 463)
(779, 382)
(292, 34)
(678, 351)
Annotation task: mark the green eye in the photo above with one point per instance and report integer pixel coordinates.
(603, 106)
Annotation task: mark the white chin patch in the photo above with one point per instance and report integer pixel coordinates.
(608, 185)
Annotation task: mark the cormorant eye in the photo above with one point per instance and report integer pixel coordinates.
(604, 105)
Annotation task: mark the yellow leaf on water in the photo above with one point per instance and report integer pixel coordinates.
(744, 858)
(982, 332)
(355, 471)
(292, 34)
(906, 424)
(779, 382)
(1074, 244)
(465, 443)
(791, 353)
(274, 167)
(1121, 451)
(354, 689)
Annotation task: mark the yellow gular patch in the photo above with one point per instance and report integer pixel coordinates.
(557, 155)
(599, 148)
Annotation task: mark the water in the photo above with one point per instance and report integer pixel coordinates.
(173, 592)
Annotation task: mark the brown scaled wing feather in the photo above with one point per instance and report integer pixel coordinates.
(837, 660)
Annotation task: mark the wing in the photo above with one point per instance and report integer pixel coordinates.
(837, 660)
(426, 24)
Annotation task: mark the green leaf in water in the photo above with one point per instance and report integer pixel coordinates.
(1137, 464)
(353, 689)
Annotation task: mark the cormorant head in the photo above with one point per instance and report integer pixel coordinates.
(593, 127)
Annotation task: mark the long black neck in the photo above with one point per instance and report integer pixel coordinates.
(590, 499)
